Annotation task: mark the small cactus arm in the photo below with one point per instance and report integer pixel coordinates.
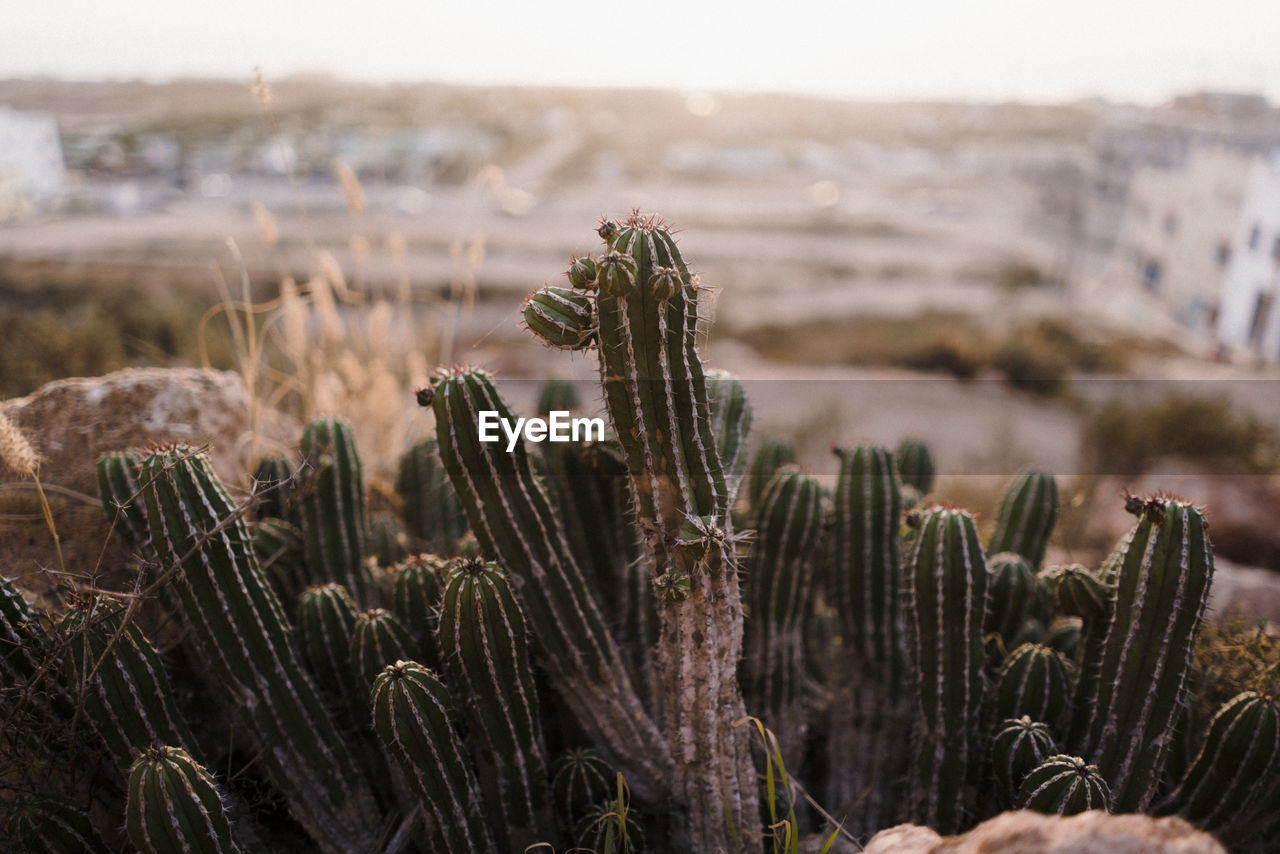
(411, 714)
(483, 638)
(1026, 518)
(562, 317)
(731, 417)
(1013, 584)
(915, 465)
(326, 626)
(275, 487)
(1162, 583)
(332, 503)
(175, 806)
(241, 626)
(948, 596)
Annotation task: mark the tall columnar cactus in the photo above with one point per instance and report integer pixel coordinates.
(1027, 514)
(332, 500)
(175, 806)
(125, 691)
(1238, 766)
(1162, 582)
(241, 626)
(1018, 747)
(778, 584)
(1064, 785)
(276, 489)
(483, 637)
(417, 583)
(281, 554)
(948, 600)
(514, 523)
(411, 713)
(1013, 584)
(432, 513)
(772, 455)
(915, 465)
(51, 826)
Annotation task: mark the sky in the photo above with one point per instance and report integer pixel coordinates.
(1141, 51)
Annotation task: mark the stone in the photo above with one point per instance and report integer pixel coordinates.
(73, 422)
(1023, 832)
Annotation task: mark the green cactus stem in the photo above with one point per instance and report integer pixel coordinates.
(126, 693)
(483, 638)
(1018, 747)
(332, 499)
(120, 491)
(1238, 764)
(580, 779)
(52, 826)
(175, 806)
(432, 513)
(326, 626)
(417, 583)
(561, 317)
(411, 714)
(514, 523)
(948, 596)
(1027, 514)
(379, 639)
(281, 553)
(276, 489)
(1064, 785)
(915, 465)
(731, 417)
(1162, 582)
(1036, 681)
(1013, 584)
(773, 455)
(241, 626)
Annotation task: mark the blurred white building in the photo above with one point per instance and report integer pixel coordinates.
(1250, 318)
(32, 171)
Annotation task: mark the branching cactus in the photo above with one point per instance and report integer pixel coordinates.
(1027, 515)
(788, 523)
(200, 535)
(948, 605)
(656, 394)
(175, 806)
(1162, 582)
(483, 637)
(411, 713)
(332, 499)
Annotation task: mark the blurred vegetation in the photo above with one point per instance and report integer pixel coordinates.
(1233, 656)
(55, 329)
(1038, 356)
(1127, 438)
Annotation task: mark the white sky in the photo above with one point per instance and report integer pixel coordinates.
(1138, 50)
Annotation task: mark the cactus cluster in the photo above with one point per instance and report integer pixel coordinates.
(588, 646)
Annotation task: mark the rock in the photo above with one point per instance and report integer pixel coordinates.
(1031, 833)
(73, 422)
(1244, 591)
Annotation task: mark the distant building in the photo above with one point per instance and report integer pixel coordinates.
(1250, 320)
(1175, 243)
(32, 171)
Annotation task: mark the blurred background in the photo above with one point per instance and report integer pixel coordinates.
(1027, 233)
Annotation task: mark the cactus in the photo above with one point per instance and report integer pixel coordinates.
(52, 826)
(1235, 769)
(281, 554)
(1034, 681)
(411, 715)
(1064, 785)
(1027, 514)
(1013, 584)
(1162, 583)
(558, 395)
(731, 423)
(417, 583)
(200, 536)
(561, 317)
(915, 465)
(1018, 747)
(119, 490)
(482, 635)
(948, 587)
(432, 513)
(773, 455)
(326, 626)
(175, 806)
(778, 587)
(126, 693)
(379, 639)
(580, 779)
(275, 486)
(514, 523)
(332, 499)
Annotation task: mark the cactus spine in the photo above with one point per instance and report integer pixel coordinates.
(175, 806)
(333, 506)
(242, 629)
(482, 635)
(411, 715)
(1162, 582)
(948, 606)
(1027, 514)
(1064, 785)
